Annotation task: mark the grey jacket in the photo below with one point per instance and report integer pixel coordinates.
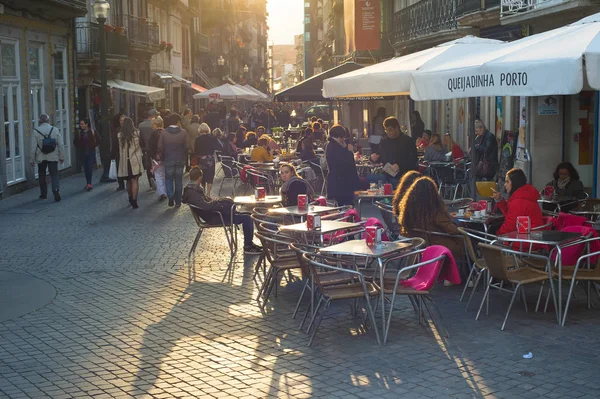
(145, 133)
(173, 145)
(36, 144)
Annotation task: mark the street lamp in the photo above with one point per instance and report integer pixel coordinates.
(101, 9)
(246, 69)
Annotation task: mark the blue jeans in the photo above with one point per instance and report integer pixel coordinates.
(174, 176)
(247, 227)
(385, 178)
(88, 165)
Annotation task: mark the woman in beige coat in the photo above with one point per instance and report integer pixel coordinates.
(130, 154)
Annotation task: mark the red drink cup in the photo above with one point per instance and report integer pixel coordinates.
(371, 235)
(549, 191)
(523, 223)
(261, 193)
(302, 200)
(387, 189)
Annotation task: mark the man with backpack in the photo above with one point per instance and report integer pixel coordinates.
(47, 152)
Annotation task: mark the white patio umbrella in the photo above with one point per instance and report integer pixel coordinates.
(393, 77)
(557, 62)
(227, 92)
(264, 96)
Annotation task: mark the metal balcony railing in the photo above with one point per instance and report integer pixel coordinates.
(424, 18)
(511, 7)
(88, 42)
(143, 33)
(464, 7)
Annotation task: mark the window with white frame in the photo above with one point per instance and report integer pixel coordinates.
(164, 33)
(13, 128)
(62, 115)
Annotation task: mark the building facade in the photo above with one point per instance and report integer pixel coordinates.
(37, 76)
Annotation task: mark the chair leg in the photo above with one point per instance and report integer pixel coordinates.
(512, 300)
(475, 285)
(537, 305)
(372, 317)
(564, 317)
(438, 315)
(300, 299)
(485, 295)
(524, 299)
(192, 266)
(387, 326)
(467, 283)
(318, 322)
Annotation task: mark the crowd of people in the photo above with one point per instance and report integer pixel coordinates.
(164, 144)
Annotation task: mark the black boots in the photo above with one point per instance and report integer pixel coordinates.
(56, 195)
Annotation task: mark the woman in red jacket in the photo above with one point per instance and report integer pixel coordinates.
(522, 201)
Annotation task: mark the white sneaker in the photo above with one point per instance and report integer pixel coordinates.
(447, 283)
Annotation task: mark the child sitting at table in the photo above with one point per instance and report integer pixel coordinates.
(194, 194)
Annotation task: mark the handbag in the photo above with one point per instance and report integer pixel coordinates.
(112, 172)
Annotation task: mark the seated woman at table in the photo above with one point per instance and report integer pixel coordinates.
(229, 147)
(422, 210)
(194, 194)
(435, 151)
(307, 153)
(566, 181)
(343, 178)
(293, 185)
(250, 140)
(423, 141)
(306, 134)
(240, 137)
(274, 148)
(260, 153)
(522, 201)
(457, 152)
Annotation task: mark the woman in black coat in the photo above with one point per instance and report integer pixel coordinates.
(342, 179)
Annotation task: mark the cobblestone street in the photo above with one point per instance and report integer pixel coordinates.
(124, 321)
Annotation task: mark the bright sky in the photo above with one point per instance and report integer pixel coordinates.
(285, 20)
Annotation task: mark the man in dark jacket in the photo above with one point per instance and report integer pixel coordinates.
(396, 149)
(146, 130)
(173, 146)
(232, 123)
(485, 152)
(194, 194)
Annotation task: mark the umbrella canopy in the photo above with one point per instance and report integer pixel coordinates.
(556, 62)
(227, 92)
(264, 97)
(392, 78)
(311, 88)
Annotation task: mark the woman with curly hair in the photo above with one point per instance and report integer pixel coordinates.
(407, 180)
(130, 154)
(422, 210)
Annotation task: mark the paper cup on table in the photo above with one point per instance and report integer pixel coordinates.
(302, 200)
(523, 224)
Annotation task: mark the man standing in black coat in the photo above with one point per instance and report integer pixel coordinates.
(485, 152)
(397, 150)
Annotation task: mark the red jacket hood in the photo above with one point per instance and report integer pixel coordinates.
(527, 192)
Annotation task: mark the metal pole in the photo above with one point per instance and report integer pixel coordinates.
(105, 134)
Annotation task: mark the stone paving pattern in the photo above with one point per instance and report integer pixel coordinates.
(126, 323)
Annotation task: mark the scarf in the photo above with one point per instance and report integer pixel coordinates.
(561, 184)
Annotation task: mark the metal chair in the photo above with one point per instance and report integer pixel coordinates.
(394, 288)
(358, 290)
(202, 225)
(503, 267)
(229, 172)
(257, 179)
(387, 213)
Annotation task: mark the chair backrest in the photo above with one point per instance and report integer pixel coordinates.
(200, 221)
(571, 253)
(273, 244)
(429, 268)
(496, 260)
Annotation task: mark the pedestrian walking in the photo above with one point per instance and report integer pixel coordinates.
(146, 130)
(130, 154)
(172, 150)
(157, 165)
(114, 145)
(86, 141)
(47, 151)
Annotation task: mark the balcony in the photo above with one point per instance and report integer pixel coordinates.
(427, 17)
(550, 11)
(200, 43)
(88, 43)
(143, 35)
(478, 12)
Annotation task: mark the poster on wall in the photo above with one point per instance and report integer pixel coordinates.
(367, 29)
(548, 105)
(499, 118)
(508, 149)
(522, 123)
(461, 121)
(586, 135)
